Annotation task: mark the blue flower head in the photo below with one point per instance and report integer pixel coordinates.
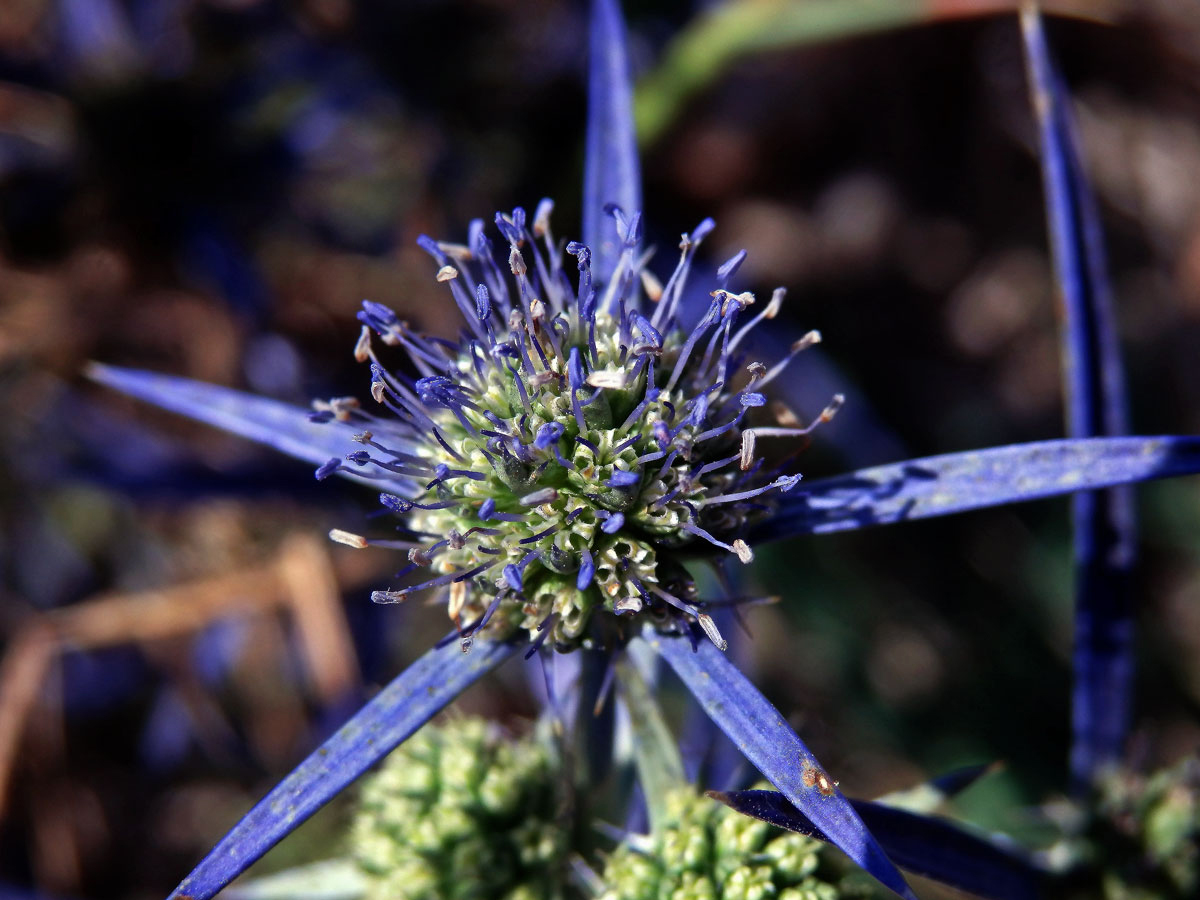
(550, 470)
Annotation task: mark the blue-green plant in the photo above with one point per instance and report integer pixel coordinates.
(554, 470)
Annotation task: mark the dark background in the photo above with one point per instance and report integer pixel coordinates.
(210, 187)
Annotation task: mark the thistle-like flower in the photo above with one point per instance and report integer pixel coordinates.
(553, 466)
(562, 456)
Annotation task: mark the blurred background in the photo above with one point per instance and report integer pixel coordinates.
(210, 188)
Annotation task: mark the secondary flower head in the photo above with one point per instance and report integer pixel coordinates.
(460, 811)
(575, 443)
(706, 850)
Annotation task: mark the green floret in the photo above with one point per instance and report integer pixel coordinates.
(460, 813)
(707, 851)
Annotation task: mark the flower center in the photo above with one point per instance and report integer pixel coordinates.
(558, 460)
(574, 476)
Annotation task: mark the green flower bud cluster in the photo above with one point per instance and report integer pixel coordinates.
(458, 812)
(1140, 839)
(707, 851)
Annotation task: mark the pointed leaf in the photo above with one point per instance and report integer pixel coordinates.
(723, 33)
(762, 734)
(611, 173)
(280, 425)
(956, 482)
(928, 846)
(391, 716)
(1092, 369)
(1104, 523)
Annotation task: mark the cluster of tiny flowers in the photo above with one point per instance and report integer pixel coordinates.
(459, 812)
(706, 851)
(574, 444)
(1138, 837)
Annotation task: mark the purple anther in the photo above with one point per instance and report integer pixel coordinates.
(538, 497)
(508, 227)
(327, 468)
(483, 302)
(629, 228)
(620, 478)
(429, 245)
(395, 504)
(486, 509)
(513, 576)
(662, 434)
(320, 417)
(434, 388)
(635, 230)
(583, 254)
(377, 315)
(787, 482)
(752, 399)
(476, 239)
(359, 457)
(587, 571)
(575, 369)
(613, 523)
(645, 329)
(729, 268)
(547, 435)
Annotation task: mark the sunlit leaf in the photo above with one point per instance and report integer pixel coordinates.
(727, 32)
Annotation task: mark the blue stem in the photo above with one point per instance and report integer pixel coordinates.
(1105, 526)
